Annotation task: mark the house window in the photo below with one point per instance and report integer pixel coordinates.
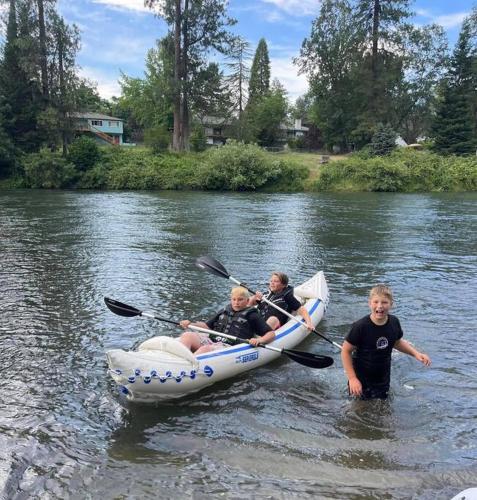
(97, 123)
(114, 124)
(217, 131)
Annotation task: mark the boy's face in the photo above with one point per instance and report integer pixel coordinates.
(380, 306)
(238, 302)
(275, 284)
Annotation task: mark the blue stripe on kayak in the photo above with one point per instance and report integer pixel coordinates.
(289, 330)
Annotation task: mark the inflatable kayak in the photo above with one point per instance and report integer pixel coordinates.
(162, 368)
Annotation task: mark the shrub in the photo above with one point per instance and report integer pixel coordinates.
(95, 178)
(238, 167)
(403, 170)
(48, 170)
(198, 140)
(157, 138)
(84, 153)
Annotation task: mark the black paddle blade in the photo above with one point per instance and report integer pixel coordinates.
(212, 265)
(309, 359)
(121, 309)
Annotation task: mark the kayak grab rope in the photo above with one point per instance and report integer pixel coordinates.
(153, 374)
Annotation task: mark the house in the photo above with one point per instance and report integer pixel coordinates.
(214, 130)
(293, 130)
(105, 129)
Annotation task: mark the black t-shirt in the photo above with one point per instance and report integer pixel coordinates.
(374, 344)
(258, 326)
(291, 304)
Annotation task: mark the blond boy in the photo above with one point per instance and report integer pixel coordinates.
(367, 348)
(237, 319)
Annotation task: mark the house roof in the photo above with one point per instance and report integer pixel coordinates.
(94, 116)
(214, 120)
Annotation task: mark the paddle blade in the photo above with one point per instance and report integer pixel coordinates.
(212, 266)
(309, 359)
(121, 309)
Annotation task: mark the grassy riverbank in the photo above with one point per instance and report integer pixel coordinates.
(238, 167)
(404, 170)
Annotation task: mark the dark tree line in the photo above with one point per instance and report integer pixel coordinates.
(368, 67)
(39, 85)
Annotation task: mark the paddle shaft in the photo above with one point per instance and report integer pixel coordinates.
(231, 337)
(212, 332)
(304, 358)
(286, 313)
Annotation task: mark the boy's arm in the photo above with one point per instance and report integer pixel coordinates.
(355, 387)
(185, 324)
(405, 347)
(264, 339)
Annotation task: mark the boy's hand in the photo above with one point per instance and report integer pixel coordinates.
(423, 358)
(355, 387)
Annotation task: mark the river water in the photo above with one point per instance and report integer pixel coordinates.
(282, 431)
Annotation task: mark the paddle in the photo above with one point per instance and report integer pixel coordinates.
(215, 267)
(304, 358)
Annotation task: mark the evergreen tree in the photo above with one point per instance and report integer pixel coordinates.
(239, 74)
(63, 78)
(19, 89)
(383, 141)
(259, 84)
(209, 94)
(454, 127)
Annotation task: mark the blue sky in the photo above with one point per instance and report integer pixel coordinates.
(116, 34)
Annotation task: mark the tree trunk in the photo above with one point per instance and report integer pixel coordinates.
(374, 55)
(43, 56)
(176, 138)
(62, 109)
(185, 128)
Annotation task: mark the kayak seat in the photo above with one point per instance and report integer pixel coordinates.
(170, 345)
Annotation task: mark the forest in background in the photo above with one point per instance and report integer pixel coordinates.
(372, 75)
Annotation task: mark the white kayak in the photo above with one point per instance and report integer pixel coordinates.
(162, 368)
(468, 494)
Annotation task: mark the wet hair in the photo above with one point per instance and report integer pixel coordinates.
(240, 291)
(381, 289)
(282, 277)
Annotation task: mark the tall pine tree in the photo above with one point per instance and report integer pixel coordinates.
(19, 89)
(454, 128)
(259, 84)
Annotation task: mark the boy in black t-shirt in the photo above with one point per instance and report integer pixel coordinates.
(367, 348)
(279, 293)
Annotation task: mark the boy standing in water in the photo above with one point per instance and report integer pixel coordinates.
(367, 348)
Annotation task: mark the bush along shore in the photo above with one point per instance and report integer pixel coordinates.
(241, 167)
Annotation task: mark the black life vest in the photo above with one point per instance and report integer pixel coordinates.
(233, 323)
(278, 299)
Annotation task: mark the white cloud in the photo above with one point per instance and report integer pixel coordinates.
(107, 84)
(448, 21)
(297, 7)
(120, 51)
(451, 20)
(284, 69)
(137, 5)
